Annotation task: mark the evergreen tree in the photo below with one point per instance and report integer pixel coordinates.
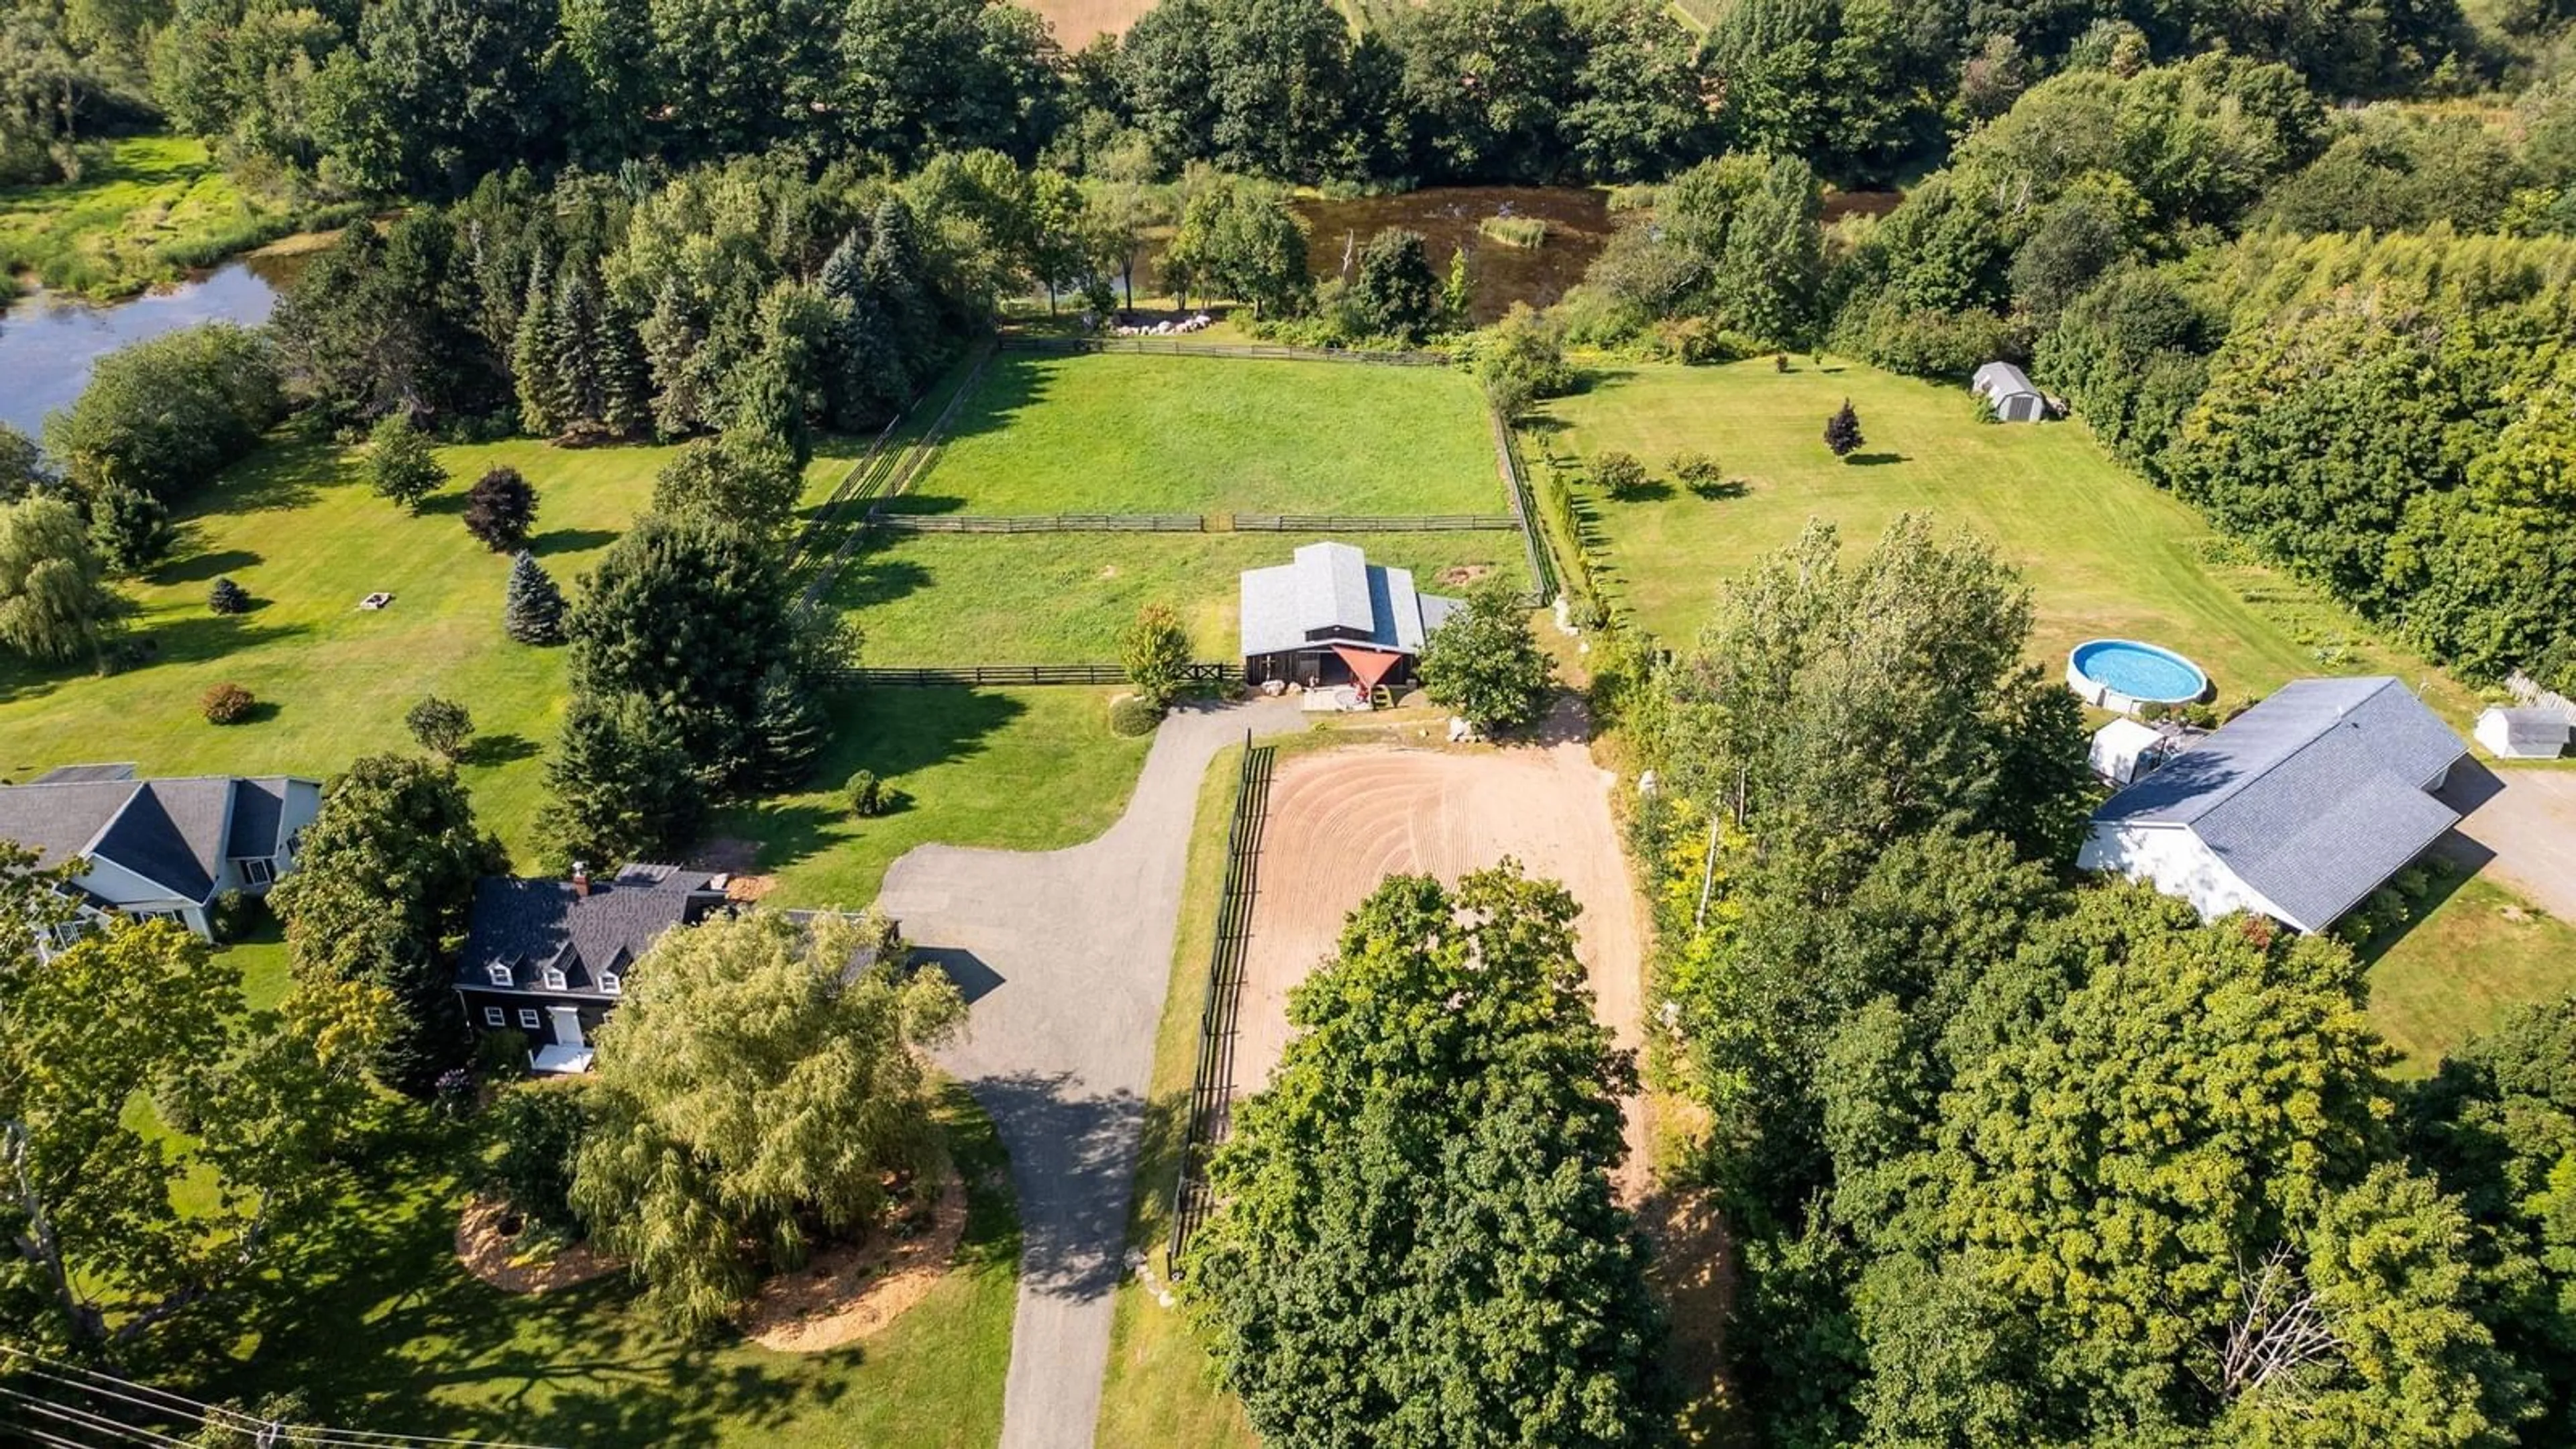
(226, 597)
(671, 338)
(622, 783)
(574, 336)
(534, 612)
(129, 527)
(1842, 431)
(625, 380)
(894, 276)
(789, 729)
(532, 355)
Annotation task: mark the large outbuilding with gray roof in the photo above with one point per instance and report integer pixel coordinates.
(2297, 809)
(1331, 617)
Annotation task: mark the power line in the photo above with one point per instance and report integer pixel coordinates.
(177, 1406)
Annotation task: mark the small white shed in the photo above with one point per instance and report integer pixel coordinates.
(2009, 390)
(2524, 734)
(2122, 749)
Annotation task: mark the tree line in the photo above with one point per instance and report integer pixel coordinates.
(425, 97)
(2014, 1159)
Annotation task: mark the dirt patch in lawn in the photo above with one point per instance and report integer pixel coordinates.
(1341, 821)
(487, 1242)
(847, 1293)
(1460, 575)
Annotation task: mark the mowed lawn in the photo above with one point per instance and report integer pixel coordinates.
(1121, 433)
(1063, 598)
(2476, 951)
(297, 526)
(139, 200)
(2104, 552)
(371, 1316)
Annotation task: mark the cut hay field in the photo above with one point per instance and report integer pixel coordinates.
(1078, 22)
(1122, 433)
(2105, 553)
(1063, 598)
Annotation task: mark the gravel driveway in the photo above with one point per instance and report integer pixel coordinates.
(2525, 819)
(1065, 956)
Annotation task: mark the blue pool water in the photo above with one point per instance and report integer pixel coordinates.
(2143, 672)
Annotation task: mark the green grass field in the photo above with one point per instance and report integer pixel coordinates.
(144, 208)
(1114, 433)
(2105, 553)
(2477, 951)
(297, 526)
(374, 1318)
(1063, 598)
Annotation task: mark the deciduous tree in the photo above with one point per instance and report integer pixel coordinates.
(1155, 649)
(1485, 663)
(757, 1086)
(400, 465)
(500, 509)
(55, 604)
(1424, 1182)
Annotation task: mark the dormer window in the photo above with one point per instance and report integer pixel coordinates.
(612, 983)
(554, 979)
(499, 973)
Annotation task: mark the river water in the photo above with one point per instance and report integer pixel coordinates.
(48, 344)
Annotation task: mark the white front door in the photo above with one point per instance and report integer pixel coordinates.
(567, 1026)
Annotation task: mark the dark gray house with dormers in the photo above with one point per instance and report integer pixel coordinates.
(548, 958)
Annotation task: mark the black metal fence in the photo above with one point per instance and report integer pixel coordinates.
(1212, 1084)
(1018, 675)
(1183, 347)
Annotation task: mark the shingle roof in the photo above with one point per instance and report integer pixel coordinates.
(258, 807)
(2314, 797)
(529, 925)
(83, 774)
(173, 833)
(1334, 586)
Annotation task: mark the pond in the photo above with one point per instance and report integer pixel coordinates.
(48, 344)
(1577, 221)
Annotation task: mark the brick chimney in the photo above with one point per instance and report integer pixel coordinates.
(580, 881)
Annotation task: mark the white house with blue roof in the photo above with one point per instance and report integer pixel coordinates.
(2298, 809)
(1331, 617)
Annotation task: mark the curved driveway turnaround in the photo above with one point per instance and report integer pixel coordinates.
(1065, 956)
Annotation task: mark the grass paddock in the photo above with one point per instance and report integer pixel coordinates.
(2105, 553)
(1123, 433)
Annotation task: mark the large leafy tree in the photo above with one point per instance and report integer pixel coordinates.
(2498, 1126)
(93, 1245)
(55, 603)
(1485, 662)
(1417, 1244)
(166, 415)
(437, 92)
(384, 880)
(2182, 1181)
(752, 1095)
(1237, 238)
(1395, 293)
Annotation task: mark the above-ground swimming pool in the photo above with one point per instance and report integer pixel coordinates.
(2122, 674)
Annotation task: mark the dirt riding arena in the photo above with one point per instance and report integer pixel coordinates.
(1343, 820)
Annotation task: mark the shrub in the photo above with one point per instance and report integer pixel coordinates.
(226, 704)
(866, 794)
(1619, 474)
(540, 1128)
(226, 597)
(1699, 473)
(1131, 715)
(501, 1056)
(442, 726)
(236, 915)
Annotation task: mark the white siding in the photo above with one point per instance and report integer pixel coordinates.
(2175, 862)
